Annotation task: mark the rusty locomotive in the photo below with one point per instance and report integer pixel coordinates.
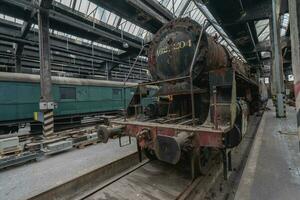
(203, 103)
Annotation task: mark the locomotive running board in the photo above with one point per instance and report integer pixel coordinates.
(206, 134)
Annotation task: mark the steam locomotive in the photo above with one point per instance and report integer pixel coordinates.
(203, 103)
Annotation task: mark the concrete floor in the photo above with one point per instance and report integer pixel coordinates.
(273, 168)
(28, 180)
(153, 181)
(225, 189)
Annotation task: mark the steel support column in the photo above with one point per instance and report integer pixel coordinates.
(18, 61)
(46, 101)
(294, 11)
(277, 66)
(109, 66)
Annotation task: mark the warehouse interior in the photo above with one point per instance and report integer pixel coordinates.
(149, 99)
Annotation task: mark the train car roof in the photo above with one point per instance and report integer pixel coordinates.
(32, 78)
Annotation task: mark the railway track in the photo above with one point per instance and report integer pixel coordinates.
(128, 178)
(67, 127)
(81, 186)
(136, 182)
(143, 183)
(113, 180)
(198, 188)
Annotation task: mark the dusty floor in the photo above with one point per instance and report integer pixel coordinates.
(24, 181)
(225, 189)
(273, 169)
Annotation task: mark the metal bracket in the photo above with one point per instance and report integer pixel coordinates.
(47, 105)
(126, 144)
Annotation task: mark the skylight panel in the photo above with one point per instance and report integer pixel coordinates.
(284, 24)
(84, 6)
(92, 9)
(194, 13)
(78, 4)
(99, 13)
(164, 2)
(66, 2)
(170, 6)
(11, 19)
(111, 20)
(105, 16)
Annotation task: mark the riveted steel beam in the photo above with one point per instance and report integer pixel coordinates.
(148, 14)
(63, 19)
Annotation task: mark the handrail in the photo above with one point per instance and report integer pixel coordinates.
(191, 71)
(126, 79)
(190, 76)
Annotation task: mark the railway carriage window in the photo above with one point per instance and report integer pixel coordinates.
(67, 92)
(132, 91)
(117, 94)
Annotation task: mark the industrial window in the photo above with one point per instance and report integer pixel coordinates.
(67, 92)
(117, 94)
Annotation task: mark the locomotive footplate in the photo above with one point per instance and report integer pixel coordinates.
(204, 135)
(170, 142)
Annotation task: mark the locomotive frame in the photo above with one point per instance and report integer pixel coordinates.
(212, 135)
(230, 90)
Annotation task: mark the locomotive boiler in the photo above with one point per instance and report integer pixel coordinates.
(204, 99)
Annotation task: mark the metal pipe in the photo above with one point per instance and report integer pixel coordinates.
(165, 81)
(158, 82)
(126, 79)
(140, 91)
(191, 72)
(217, 27)
(251, 35)
(253, 42)
(215, 107)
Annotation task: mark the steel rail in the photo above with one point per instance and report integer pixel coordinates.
(115, 179)
(206, 182)
(83, 186)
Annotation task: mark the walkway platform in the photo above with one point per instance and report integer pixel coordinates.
(273, 167)
(23, 182)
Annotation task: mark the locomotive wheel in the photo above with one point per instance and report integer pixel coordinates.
(150, 154)
(195, 167)
(234, 137)
(199, 162)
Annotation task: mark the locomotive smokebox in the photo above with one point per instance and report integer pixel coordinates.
(173, 47)
(168, 149)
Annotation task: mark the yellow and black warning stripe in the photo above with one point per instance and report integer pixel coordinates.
(48, 124)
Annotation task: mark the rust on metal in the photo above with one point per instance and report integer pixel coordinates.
(202, 97)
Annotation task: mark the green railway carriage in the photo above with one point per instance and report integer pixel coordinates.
(20, 94)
